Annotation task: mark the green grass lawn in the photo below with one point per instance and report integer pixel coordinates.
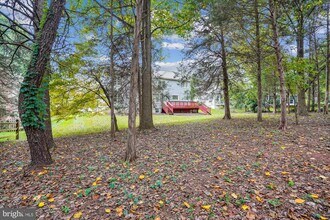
(100, 123)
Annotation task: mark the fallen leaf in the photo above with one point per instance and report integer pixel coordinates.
(314, 196)
(156, 170)
(186, 204)
(245, 207)
(299, 201)
(119, 211)
(259, 199)
(323, 218)
(141, 177)
(77, 215)
(157, 218)
(42, 172)
(41, 204)
(107, 210)
(206, 207)
(234, 195)
(284, 173)
(161, 203)
(267, 173)
(24, 197)
(99, 178)
(51, 200)
(4, 171)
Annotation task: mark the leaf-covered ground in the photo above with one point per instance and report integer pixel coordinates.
(236, 169)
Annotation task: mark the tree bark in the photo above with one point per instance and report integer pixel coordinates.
(302, 108)
(113, 78)
(277, 48)
(256, 14)
(48, 123)
(33, 120)
(274, 94)
(130, 154)
(326, 99)
(225, 75)
(146, 120)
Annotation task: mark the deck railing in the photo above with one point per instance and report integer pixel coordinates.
(11, 126)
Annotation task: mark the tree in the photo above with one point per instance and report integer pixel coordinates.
(146, 121)
(258, 53)
(277, 50)
(32, 106)
(130, 154)
(327, 93)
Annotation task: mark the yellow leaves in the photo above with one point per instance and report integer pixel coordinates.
(314, 196)
(119, 211)
(299, 201)
(234, 195)
(161, 203)
(141, 177)
(51, 200)
(157, 218)
(259, 199)
(283, 147)
(94, 183)
(284, 173)
(77, 215)
(245, 207)
(41, 204)
(186, 204)
(267, 173)
(4, 171)
(107, 211)
(42, 172)
(97, 181)
(99, 178)
(323, 218)
(323, 177)
(24, 197)
(206, 207)
(219, 158)
(156, 170)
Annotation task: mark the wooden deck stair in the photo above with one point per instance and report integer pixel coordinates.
(171, 107)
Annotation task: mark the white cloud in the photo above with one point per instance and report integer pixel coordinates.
(173, 37)
(168, 66)
(175, 46)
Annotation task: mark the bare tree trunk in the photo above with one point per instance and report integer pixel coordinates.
(33, 85)
(256, 14)
(130, 154)
(302, 110)
(326, 100)
(288, 101)
(313, 96)
(274, 94)
(273, 16)
(146, 120)
(113, 78)
(225, 76)
(48, 122)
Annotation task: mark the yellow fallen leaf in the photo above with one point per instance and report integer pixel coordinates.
(283, 147)
(99, 178)
(219, 158)
(284, 173)
(323, 177)
(42, 172)
(186, 204)
(259, 199)
(41, 204)
(24, 197)
(161, 203)
(299, 201)
(77, 215)
(52, 206)
(323, 218)
(4, 171)
(51, 200)
(119, 211)
(245, 207)
(267, 173)
(206, 207)
(234, 195)
(107, 210)
(157, 218)
(156, 170)
(141, 177)
(94, 183)
(314, 196)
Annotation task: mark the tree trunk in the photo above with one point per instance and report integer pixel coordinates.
(113, 78)
(146, 120)
(32, 106)
(273, 16)
(48, 123)
(274, 94)
(326, 100)
(313, 96)
(130, 154)
(302, 110)
(225, 76)
(256, 14)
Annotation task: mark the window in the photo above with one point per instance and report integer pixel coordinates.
(175, 97)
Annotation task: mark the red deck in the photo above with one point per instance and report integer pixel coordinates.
(171, 107)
